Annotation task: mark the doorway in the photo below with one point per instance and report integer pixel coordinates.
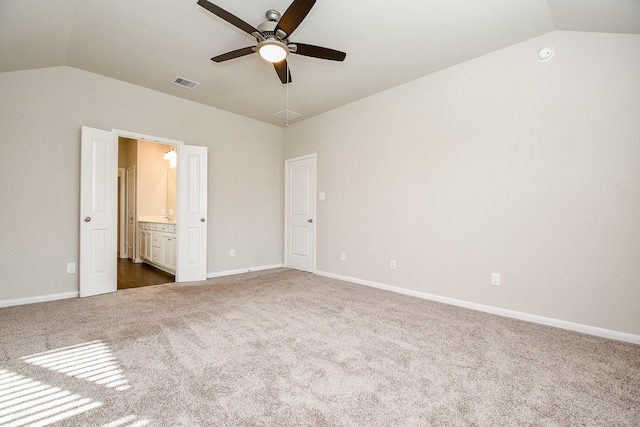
(150, 213)
(99, 214)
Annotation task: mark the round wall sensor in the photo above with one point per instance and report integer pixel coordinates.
(545, 54)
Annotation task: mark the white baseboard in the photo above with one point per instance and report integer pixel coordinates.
(67, 295)
(42, 298)
(577, 327)
(243, 270)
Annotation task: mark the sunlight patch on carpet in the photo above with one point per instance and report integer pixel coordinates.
(130, 421)
(92, 361)
(25, 401)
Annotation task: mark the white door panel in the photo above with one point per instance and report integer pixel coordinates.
(300, 213)
(192, 214)
(98, 212)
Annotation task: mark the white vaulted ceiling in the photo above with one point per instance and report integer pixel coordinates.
(149, 42)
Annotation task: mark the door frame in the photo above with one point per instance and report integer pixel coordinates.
(287, 162)
(135, 135)
(122, 220)
(134, 244)
(166, 141)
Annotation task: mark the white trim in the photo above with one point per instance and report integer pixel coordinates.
(243, 270)
(135, 245)
(135, 135)
(313, 156)
(306, 156)
(33, 300)
(68, 295)
(122, 219)
(562, 324)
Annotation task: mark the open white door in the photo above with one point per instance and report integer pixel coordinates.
(300, 211)
(192, 214)
(98, 212)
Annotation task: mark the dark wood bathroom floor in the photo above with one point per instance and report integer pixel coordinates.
(132, 275)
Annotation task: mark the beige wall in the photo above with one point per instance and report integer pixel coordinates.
(127, 152)
(41, 114)
(151, 184)
(502, 164)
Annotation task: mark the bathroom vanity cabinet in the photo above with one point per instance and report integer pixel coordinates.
(157, 243)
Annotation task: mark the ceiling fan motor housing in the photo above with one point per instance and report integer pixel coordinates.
(268, 28)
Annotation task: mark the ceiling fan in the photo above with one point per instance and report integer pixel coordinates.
(272, 37)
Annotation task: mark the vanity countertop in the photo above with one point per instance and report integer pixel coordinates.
(156, 219)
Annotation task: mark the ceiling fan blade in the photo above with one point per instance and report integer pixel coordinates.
(230, 18)
(294, 15)
(319, 52)
(234, 54)
(283, 71)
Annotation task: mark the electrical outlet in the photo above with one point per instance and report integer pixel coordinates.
(343, 257)
(495, 279)
(232, 253)
(71, 268)
(393, 264)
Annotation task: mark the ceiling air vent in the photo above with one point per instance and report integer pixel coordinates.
(184, 82)
(287, 114)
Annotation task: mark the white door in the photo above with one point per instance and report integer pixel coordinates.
(131, 212)
(192, 214)
(98, 212)
(300, 211)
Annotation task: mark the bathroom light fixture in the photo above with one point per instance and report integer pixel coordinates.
(273, 50)
(171, 154)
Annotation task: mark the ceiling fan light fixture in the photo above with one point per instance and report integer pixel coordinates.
(273, 50)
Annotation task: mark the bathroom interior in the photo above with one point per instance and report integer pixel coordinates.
(146, 213)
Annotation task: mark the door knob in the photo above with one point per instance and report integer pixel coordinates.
(86, 219)
(309, 220)
(201, 219)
